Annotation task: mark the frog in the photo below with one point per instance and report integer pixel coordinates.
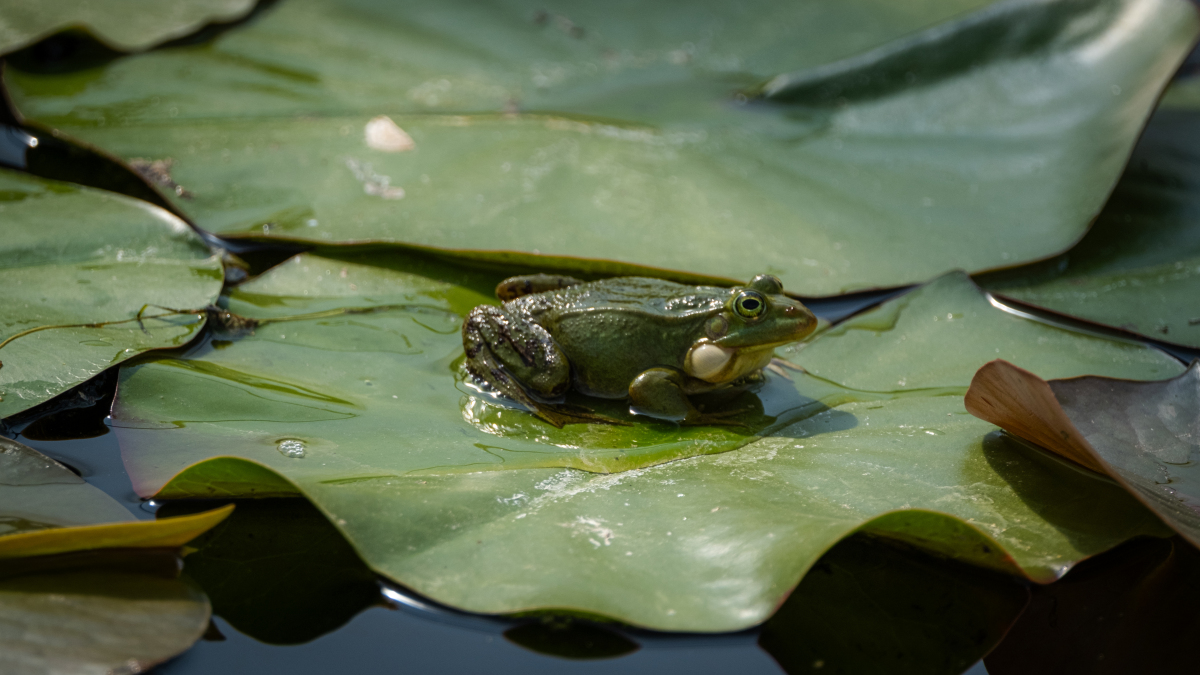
(651, 341)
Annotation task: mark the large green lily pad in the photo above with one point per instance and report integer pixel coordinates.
(127, 25)
(45, 509)
(96, 622)
(470, 503)
(1142, 434)
(1138, 268)
(548, 132)
(380, 337)
(72, 258)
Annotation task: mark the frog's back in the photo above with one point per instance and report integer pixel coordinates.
(650, 298)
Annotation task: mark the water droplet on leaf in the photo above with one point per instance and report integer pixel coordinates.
(291, 447)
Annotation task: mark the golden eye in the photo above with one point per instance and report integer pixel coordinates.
(750, 304)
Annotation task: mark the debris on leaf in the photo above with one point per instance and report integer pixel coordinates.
(383, 134)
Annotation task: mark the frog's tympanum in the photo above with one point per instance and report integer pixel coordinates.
(653, 341)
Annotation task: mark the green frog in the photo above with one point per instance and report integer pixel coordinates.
(654, 342)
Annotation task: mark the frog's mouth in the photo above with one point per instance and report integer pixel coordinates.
(711, 363)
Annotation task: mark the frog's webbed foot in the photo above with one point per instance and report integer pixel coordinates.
(514, 358)
(515, 287)
(564, 413)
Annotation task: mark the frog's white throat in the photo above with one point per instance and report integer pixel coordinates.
(708, 362)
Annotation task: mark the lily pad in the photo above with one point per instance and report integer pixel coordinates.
(483, 516)
(46, 509)
(1142, 434)
(89, 622)
(555, 135)
(1138, 268)
(125, 25)
(77, 266)
(380, 337)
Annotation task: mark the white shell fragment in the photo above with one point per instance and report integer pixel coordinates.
(383, 134)
(706, 360)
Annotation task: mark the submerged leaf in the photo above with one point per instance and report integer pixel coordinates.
(1138, 268)
(46, 509)
(555, 135)
(96, 622)
(1145, 435)
(77, 267)
(349, 391)
(127, 25)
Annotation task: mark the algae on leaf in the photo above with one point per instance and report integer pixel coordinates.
(1145, 435)
(127, 25)
(557, 136)
(486, 518)
(1138, 268)
(77, 267)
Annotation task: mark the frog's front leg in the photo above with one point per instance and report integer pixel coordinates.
(662, 393)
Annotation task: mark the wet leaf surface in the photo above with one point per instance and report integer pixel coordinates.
(1145, 435)
(278, 570)
(72, 258)
(96, 622)
(1130, 610)
(46, 509)
(871, 607)
(709, 543)
(521, 130)
(126, 25)
(1138, 268)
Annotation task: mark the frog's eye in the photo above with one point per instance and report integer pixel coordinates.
(750, 304)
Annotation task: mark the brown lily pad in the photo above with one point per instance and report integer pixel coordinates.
(1145, 435)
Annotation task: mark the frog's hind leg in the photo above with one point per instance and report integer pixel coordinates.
(518, 359)
(515, 287)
